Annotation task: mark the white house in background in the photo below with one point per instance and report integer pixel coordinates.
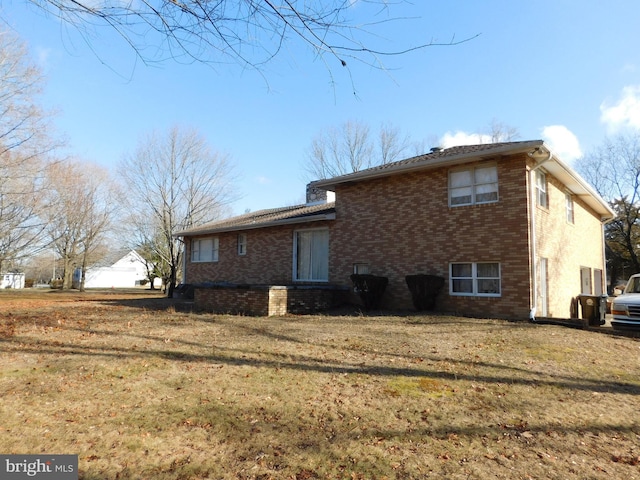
(127, 271)
(11, 280)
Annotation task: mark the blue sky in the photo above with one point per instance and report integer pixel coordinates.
(564, 71)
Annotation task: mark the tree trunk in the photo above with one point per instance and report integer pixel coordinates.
(67, 279)
(172, 282)
(83, 274)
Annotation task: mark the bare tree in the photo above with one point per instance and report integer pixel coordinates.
(613, 169)
(153, 263)
(501, 132)
(351, 148)
(21, 227)
(393, 145)
(65, 220)
(99, 210)
(24, 146)
(175, 181)
(83, 205)
(24, 125)
(40, 268)
(250, 32)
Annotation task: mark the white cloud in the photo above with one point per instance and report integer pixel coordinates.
(463, 138)
(563, 142)
(625, 112)
(43, 57)
(262, 180)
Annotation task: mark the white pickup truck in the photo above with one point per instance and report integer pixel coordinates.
(625, 309)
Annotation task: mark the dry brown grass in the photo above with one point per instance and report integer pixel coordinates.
(142, 389)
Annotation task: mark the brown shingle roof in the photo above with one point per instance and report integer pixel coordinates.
(267, 217)
(447, 156)
(460, 153)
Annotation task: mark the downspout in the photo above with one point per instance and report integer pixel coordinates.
(532, 208)
(184, 261)
(603, 222)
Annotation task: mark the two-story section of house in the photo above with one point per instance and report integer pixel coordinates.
(514, 231)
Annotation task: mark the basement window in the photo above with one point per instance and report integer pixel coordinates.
(480, 279)
(361, 268)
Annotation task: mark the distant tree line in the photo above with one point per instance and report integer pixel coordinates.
(70, 213)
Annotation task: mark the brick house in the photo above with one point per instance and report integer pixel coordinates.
(512, 229)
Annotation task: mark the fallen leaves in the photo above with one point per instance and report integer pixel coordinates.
(626, 459)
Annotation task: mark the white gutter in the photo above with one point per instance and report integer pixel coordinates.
(604, 256)
(184, 262)
(534, 249)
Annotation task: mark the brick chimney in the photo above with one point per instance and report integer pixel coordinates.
(317, 195)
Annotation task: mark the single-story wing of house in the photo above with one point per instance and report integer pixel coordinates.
(514, 231)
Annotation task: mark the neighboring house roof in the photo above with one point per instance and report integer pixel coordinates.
(265, 218)
(113, 257)
(472, 153)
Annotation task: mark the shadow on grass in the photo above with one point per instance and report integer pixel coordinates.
(500, 373)
(275, 432)
(242, 357)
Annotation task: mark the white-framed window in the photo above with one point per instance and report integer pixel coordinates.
(568, 199)
(204, 249)
(585, 281)
(473, 185)
(541, 189)
(242, 244)
(475, 279)
(311, 255)
(598, 288)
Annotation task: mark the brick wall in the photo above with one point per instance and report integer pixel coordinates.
(247, 301)
(269, 258)
(567, 247)
(403, 225)
(262, 300)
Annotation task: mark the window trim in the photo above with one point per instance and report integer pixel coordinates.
(542, 196)
(598, 286)
(474, 185)
(295, 255)
(586, 281)
(570, 208)
(474, 280)
(215, 249)
(242, 244)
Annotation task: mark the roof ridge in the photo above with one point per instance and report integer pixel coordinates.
(432, 158)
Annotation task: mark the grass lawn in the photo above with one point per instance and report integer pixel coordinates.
(141, 389)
